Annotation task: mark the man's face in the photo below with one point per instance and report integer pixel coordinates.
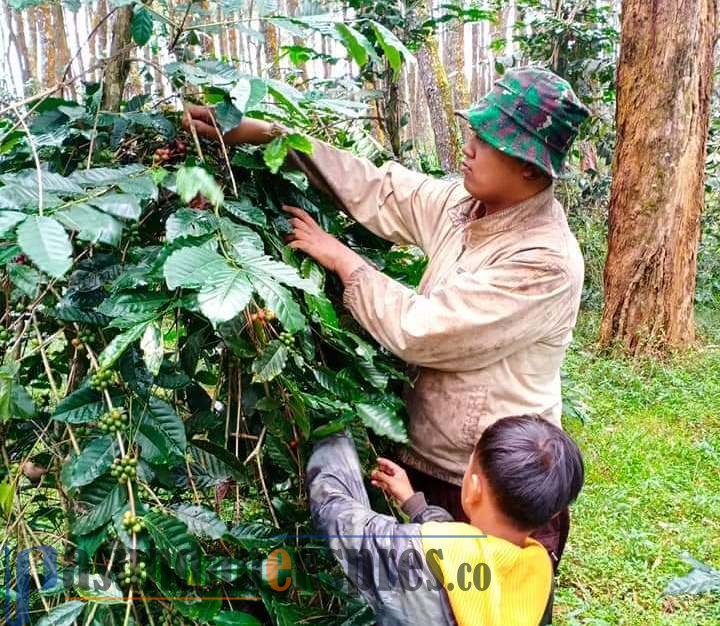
(489, 174)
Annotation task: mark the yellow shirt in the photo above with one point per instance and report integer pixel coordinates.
(515, 593)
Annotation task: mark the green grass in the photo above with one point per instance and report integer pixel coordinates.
(652, 489)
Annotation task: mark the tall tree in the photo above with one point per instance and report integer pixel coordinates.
(456, 63)
(439, 95)
(117, 70)
(664, 85)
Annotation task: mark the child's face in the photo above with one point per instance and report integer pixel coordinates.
(490, 174)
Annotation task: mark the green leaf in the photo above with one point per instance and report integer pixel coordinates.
(358, 46)
(173, 542)
(7, 497)
(248, 93)
(235, 618)
(99, 176)
(128, 303)
(122, 205)
(383, 420)
(256, 536)
(395, 51)
(91, 224)
(190, 181)
(245, 241)
(26, 278)
(266, 267)
(275, 152)
(63, 615)
(271, 362)
(92, 462)
(119, 344)
(141, 26)
(226, 295)
(299, 142)
(152, 348)
(189, 223)
(82, 406)
(192, 267)
(200, 521)
(244, 209)
(9, 219)
(281, 301)
(102, 498)
(159, 423)
(45, 241)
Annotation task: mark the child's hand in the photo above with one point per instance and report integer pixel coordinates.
(392, 479)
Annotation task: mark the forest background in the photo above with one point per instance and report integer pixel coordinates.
(159, 416)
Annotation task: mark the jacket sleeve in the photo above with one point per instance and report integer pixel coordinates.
(475, 319)
(419, 511)
(379, 555)
(395, 203)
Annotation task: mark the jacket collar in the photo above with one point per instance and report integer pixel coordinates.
(537, 208)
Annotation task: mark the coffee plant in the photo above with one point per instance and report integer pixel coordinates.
(168, 361)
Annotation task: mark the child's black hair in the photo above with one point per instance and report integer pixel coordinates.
(534, 468)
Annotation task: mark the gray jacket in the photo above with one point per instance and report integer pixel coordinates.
(382, 557)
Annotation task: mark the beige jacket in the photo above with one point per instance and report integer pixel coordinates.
(494, 313)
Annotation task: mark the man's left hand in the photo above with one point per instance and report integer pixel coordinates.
(310, 238)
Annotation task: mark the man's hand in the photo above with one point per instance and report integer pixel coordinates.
(308, 237)
(393, 480)
(201, 118)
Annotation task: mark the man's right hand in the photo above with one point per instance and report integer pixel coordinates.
(200, 118)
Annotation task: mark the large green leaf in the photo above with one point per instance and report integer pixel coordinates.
(141, 26)
(189, 222)
(360, 48)
(201, 521)
(190, 181)
(383, 420)
(9, 219)
(193, 267)
(91, 224)
(26, 278)
(122, 205)
(63, 615)
(82, 406)
(92, 462)
(281, 301)
(160, 424)
(265, 267)
(244, 209)
(394, 49)
(226, 295)
(119, 344)
(102, 499)
(244, 241)
(275, 152)
(98, 176)
(129, 303)
(271, 362)
(45, 241)
(176, 546)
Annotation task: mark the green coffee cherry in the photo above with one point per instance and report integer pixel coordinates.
(124, 469)
(113, 421)
(288, 339)
(134, 574)
(101, 379)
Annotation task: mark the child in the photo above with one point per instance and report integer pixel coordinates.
(432, 570)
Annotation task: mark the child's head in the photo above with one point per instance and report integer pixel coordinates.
(524, 469)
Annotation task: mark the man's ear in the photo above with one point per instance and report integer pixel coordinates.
(532, 172)
(475, 489)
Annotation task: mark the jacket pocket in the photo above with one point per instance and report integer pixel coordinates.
(476, 411)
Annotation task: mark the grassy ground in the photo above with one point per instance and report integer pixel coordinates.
(652, 491)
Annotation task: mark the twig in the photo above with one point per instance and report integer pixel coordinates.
(193, 132)
(87, 41)
(225, 154)
(94, 129)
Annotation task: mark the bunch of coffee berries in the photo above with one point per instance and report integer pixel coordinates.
(84, 337)
(133, 233)
(132, 523)
(124, 469)
(5, 335)
(288, 339)
(262, 315)
(113, 421)
(101, 379)
(134, 574)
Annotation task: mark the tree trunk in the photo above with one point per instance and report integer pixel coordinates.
(439, 98)
(456, 65)
(47, 37)
(62, 58)
(658, 173)
(118, 69)
(272, 49)
(26, 71)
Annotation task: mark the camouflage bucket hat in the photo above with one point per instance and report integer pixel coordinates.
(531, 114)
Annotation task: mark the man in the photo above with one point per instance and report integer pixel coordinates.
(494, 312)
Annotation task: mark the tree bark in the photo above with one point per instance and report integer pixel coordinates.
(456, 64)
(118, 68)
(658, 173)
(26, 71)
(272, 49)
(63, 50)
(47, 37)
(439, 97)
